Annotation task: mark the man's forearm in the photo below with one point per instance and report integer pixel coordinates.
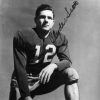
(63, 65)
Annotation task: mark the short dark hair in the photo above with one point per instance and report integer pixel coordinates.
(43, 7)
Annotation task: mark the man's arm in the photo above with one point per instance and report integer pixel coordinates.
(20, 65)
(63, 55)
(65, 62)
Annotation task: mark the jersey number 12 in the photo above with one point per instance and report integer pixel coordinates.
(48, 55)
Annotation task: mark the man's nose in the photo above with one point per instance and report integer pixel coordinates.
(46, 19)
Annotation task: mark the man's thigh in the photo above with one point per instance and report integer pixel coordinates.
(57, 79)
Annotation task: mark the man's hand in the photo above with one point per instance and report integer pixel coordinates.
(28, 98)
(46, 73)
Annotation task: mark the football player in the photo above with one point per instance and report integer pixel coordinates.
(33, 50)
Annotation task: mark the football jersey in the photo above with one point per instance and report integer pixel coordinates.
(33, 52)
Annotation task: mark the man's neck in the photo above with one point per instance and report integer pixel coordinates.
(42, 33)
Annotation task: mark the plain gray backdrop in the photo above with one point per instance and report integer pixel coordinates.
(82, 31)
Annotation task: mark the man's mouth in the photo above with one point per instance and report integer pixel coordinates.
(45, 25)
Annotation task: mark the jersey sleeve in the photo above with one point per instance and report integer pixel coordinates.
(63, 53)
(20, 64)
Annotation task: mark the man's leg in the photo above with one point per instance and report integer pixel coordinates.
(71, 87)
(71, 92)
(69, 77)
(14, 92)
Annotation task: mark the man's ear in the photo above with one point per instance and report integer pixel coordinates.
(53, 22)
(36, 21)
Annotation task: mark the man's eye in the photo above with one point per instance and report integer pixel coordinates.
(50, 17)
(42, 17)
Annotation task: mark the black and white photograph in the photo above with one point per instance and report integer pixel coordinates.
(49, 49)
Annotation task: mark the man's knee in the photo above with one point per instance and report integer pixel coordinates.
(71, 74)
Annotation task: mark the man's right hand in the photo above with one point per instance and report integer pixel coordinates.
(28, 98)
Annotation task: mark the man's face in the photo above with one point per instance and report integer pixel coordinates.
(45, 20)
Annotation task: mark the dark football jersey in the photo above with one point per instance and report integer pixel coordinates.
(32, 53)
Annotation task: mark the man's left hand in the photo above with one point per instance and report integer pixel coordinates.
(46, 73)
